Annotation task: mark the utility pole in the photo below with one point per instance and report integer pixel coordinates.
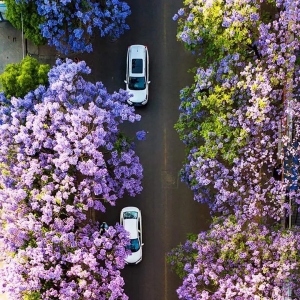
(23, 49)
(287, 128)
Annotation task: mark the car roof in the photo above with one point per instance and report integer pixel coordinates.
(137, 51)
(131, 226)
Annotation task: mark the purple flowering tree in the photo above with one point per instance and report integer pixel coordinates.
(61, 154)
(240, 260)
(69, 25)
(230, 121)
(215, 29)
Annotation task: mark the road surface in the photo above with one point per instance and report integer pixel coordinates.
(168, 209)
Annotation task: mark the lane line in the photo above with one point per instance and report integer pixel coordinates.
(165, 156)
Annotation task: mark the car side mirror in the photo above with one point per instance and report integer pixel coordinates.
(149, 82)
(125, 81)
(142, 244)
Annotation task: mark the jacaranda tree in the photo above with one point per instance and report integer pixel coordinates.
(240, 260)
(230, 123)
(69, 25)
(61, 154)
(219, 28)
(229, 119)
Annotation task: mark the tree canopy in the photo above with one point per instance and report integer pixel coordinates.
(20, 78)
(246, 88)
(24, 16)
(238, 260)
(62, 153)
(68, 25)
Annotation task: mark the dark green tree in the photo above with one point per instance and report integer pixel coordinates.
(31, 19)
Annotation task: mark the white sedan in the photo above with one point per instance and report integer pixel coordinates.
(3, 10)
(131, 219)
(137, 74)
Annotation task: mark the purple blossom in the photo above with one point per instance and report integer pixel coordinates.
(181, 12)
(141, 135)
(69, 25)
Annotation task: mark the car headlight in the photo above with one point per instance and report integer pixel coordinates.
(129, 102)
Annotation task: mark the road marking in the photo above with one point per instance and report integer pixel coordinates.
(165, 27)
(165, 149)
(170, 179)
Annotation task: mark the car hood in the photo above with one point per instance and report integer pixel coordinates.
(137, 96)
(134, 257)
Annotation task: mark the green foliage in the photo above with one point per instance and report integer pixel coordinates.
(31, 19)
(215, 128)
(30, 242)
(217, 40)
(207, 126)
(122, 143)
(188, 124)
(32, 296)
(20, 78)
(181, 255)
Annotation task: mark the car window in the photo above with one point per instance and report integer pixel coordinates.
(137, 83)
(137, 66)
(134, 245)
(2, 11)
(146, 67)
(130, 215)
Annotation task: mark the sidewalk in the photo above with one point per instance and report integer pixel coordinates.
(12, 49)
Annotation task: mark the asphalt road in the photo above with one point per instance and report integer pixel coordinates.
(168, 209)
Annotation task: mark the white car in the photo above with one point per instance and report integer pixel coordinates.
(131, 219)
(137, 74)
(3, 10)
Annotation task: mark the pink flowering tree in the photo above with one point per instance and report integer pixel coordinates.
(229, 122)
(61, 154)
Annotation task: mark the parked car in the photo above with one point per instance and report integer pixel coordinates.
(103, 227)
(137, 74)
(131, 219)
(2, 11)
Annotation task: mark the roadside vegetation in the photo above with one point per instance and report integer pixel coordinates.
(62, 154)
(63, 157)
(20, 78)
(69, 26)
(232, 120)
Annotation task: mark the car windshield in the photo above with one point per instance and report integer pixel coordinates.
(137, 83)
(130, 215)
(134, 245)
